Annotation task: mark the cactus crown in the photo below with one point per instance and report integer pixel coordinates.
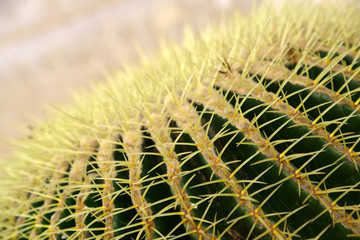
(250, 131)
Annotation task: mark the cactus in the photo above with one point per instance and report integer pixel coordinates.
(250, 131)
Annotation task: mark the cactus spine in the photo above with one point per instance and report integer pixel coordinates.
(249, 132)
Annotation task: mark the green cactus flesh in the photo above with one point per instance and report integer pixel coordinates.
(250, 131)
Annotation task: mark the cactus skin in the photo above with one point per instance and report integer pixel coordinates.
(250, 132)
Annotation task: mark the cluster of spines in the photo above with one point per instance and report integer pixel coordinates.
(180, 143)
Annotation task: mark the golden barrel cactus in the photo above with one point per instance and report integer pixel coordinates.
(249, 131)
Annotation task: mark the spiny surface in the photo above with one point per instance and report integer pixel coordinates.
(248, 132)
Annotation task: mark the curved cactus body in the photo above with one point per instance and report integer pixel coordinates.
(249, 132)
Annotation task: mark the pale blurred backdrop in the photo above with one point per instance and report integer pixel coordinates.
(50, 48)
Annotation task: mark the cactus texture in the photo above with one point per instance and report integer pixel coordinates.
(251, 131)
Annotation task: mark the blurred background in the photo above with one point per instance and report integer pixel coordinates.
(50, 48)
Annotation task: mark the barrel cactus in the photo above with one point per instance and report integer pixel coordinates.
(249, 131)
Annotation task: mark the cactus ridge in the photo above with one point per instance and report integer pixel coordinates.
(251, 131)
